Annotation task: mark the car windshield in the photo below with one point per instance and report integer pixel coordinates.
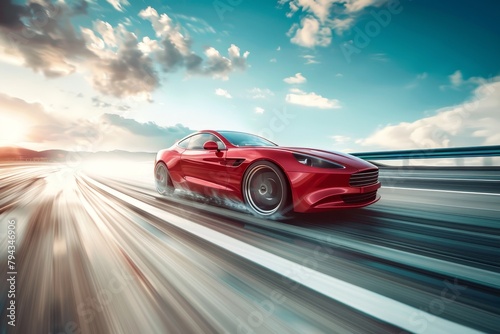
(245, 139)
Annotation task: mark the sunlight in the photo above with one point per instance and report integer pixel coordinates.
(12, 132)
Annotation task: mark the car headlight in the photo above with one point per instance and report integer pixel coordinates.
(315, 162)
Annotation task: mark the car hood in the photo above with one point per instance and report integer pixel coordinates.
(338, 157)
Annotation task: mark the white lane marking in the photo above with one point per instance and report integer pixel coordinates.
(381, 176)
(481, 276)
(457, 270)
(371, 303)
(444, 191)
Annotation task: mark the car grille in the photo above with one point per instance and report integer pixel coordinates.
(359, 198)
(364, 178)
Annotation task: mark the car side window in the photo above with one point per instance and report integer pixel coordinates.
(184, 143)
(219, 142)
(197, 141)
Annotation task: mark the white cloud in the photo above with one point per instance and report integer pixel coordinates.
(357, 5)
(339, 139)
(320, 8)
(223, 92)
(106, 31)
(323, 16)
(195, 24)
(310, 33)
(341, 25)
(162, 24)
(474, 122)
(124, 72)
(148, 45)
(310, 59)
(118, 62)
(381, 57)
(260, 93)
(175, 46)
(312, 99)
(296, 79)
(273, 60)
(456, 79)
(422, 76)
(43, 129)
(259, 110)
(118, 4)
(219, 66)
(415, 82)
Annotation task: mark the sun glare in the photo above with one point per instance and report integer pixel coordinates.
(12, 132)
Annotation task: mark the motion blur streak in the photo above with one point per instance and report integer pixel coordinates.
(98, 251)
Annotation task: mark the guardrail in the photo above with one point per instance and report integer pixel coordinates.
(453, 152)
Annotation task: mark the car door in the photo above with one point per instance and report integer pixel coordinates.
(204, 170)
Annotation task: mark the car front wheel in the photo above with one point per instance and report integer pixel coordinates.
(265, 190)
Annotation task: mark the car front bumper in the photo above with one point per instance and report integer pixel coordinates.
(313, 192)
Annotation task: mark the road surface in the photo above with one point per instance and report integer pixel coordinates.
(97, 250)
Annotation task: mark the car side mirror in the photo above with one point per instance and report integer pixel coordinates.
(211, 146)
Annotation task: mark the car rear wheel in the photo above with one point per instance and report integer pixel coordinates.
(265, 190)
(163, 182)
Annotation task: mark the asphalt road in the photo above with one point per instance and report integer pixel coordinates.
(97, 250)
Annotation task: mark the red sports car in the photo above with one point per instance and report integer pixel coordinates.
(271, 180)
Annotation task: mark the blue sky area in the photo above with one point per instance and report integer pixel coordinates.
(348, 75)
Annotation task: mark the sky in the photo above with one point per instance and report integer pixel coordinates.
(345, 75)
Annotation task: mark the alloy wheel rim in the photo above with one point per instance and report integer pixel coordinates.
(264, 190)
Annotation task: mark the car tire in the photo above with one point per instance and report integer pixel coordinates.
(163, 182)
(265, 190)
